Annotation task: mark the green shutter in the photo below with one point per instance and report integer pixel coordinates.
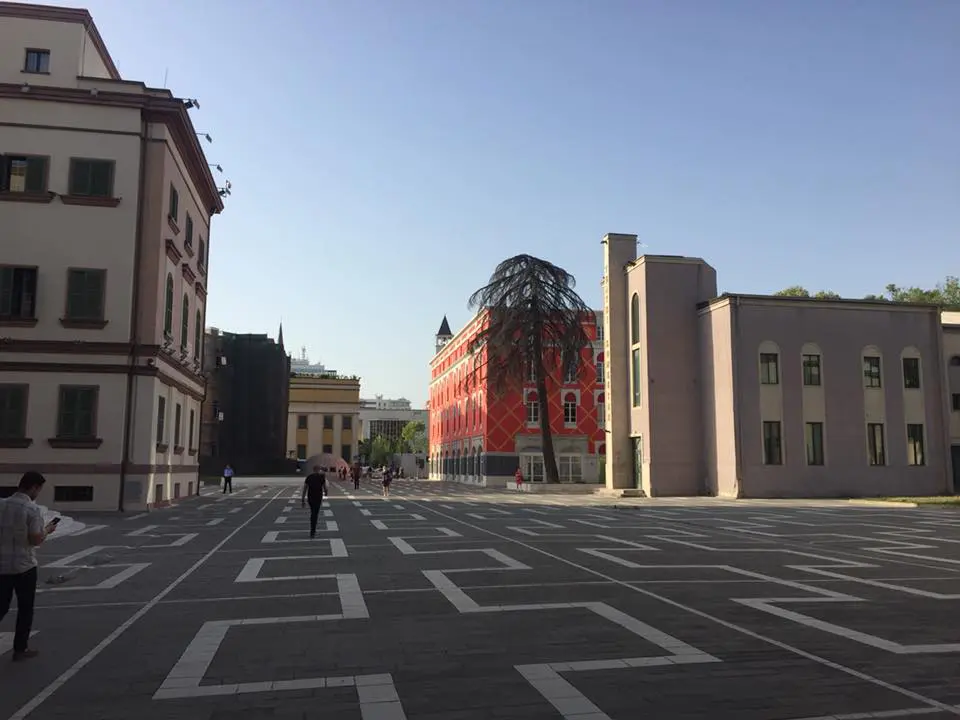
(93, 294)
(68, 412)
(6, 291)
(168, 308)
(36, 174)
(101, 177)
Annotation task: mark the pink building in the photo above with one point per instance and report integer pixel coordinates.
(761, 396)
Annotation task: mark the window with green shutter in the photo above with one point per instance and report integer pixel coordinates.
(18, 292)
(185, 323)
(197, 337)
(23, 174)
(76, 418)
(168, 307)
(91, 178)
(85, 291)
(13, 411)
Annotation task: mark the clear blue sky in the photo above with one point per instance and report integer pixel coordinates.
(385, 155)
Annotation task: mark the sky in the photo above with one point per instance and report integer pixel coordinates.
(385, 155)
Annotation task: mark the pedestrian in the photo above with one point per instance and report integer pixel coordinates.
(314, 488)
(387, 479)
(355, 472)
(21, 530)
(228, 479)
(519, 476)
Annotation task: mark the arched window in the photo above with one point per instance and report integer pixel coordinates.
(600, 367)
(168, 307)
(533, 407)
(197, 336)
(601, 410)
(601, 449)
(184, 323)
(570, 408)
(635, 319)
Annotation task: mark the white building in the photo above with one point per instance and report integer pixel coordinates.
(387, 417)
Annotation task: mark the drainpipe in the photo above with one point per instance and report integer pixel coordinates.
(738, 420)
(134, 321)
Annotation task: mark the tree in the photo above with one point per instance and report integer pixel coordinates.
(800, 291)
(414, 436)
(381, 450)
(364, 449)
(534, 325)
(945, 294)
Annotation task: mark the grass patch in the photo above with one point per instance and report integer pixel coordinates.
(929, 500)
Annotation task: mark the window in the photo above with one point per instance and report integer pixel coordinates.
(635, 375)
(570, 409)
(956, 402)
(168, 307)
(91, 178)
(37, 61)
(177, 411)
(162, 417)
(876, 454)
(571, 368)
(18, 293)
(915, 454)
(811, 370)
(346, 422)
(13, 411)
(570, 467)
(184, 323)
(77, 412)
(301, 422)
(328, 422)
(772, 450)
(72, 493)
(85, 289)
(190, 443)
(600, 368)
(197, 336)
(23, 174)
(201, 252)
(328, 449)
(346, 453)
(911, 373)
(301, 452)
(814, 441)
(601, 410)
(188, 233)
(635, 319)
(600, 330)
(533, 409)
(173, 206)
(871, 371)
(769, 369)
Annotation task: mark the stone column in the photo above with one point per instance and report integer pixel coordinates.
(337, 434)
(618, 250)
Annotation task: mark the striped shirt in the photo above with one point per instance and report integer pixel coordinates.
(19, 516)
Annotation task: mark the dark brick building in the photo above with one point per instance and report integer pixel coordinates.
(244, 415)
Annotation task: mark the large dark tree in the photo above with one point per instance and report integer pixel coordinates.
(534, 328)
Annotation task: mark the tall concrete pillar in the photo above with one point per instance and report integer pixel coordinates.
(337, 434)
(618, 251)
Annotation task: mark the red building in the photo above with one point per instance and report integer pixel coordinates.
(477, 436)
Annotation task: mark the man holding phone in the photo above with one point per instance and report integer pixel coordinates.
(314, 488)
(21, 530)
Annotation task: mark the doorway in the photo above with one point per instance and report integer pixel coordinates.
(638, 461)
(532, 467)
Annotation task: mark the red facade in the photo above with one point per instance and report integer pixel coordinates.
(475, 433)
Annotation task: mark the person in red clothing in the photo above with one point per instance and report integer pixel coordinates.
(519, 476)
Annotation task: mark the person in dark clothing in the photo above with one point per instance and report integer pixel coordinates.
(314, 488)
(355, 473)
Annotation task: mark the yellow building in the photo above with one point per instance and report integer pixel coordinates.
(323, 416)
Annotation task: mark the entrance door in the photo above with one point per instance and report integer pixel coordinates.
(638, 461)
(532, 466)
(955, 457)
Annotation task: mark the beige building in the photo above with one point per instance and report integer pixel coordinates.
(759, 396)
(106, 199)
(324, 416)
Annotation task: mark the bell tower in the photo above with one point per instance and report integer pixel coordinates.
(443, 334)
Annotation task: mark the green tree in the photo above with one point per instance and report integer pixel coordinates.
(363, 448)
(414, 436)
(800, 291)
(945, 294)
(534, 325)
(381, 450)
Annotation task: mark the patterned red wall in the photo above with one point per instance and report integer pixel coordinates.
(455, 415)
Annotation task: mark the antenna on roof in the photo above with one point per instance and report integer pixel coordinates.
(166, 71)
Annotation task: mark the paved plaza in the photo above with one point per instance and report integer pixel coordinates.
(445, 602)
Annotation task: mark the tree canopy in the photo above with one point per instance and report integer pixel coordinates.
(534, 328)
(414, 436)
(945, 294)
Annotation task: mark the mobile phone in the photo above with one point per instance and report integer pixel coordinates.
(56, 520)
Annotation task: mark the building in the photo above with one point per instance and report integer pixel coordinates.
(106, 202)
(386, 417)
(759, 396)
(480, 437)
(323, 416)
(303, 365)
(244, 416)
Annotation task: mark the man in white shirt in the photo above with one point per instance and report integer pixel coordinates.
(21, 530)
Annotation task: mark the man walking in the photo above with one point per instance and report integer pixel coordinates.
(21, 530)
(355, 473)
(228, 479)
(314, 488)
